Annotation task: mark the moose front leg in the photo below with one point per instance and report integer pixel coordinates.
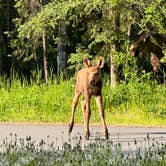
(86, 114)
(101, 113)
(74, 105)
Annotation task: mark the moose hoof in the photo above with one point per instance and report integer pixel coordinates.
(87, 135)
(106, 134)
(71, 127)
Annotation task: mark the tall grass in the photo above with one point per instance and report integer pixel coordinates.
(20, 101)
(136, 102)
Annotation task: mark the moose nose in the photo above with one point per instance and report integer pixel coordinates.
(92, 83)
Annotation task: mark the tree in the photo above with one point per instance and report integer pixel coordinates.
(45, 63)
(61, 50)
(27, 51)
(2, 43)
(6, 16)
(97, 27)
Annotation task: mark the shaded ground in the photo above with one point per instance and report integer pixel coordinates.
(131, 138)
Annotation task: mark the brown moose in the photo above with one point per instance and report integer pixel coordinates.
(152, 44)
(89, 83)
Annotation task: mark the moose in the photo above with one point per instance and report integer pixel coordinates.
(89, 83)
(152, 44)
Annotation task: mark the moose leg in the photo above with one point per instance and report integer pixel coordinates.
(86, 114)
(101, 113)
(74, 105)
(156, 64)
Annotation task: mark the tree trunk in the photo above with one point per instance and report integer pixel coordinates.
(45, 63)
(113, 68)
(9, 27)
(61, 52)
(42, 2)
(115, 46)
(1, 50)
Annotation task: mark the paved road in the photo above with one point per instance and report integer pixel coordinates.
(59, 134)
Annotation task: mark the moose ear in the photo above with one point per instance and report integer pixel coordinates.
(87, 62)
(101, 63)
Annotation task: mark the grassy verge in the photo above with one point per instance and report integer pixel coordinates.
(134, 103)
(25, 152)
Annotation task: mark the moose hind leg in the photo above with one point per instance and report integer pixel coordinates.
(74, 105)
(86, 116)
(101, 113)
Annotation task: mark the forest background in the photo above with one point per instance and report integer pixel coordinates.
(43, 42)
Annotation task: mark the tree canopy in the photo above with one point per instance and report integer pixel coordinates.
(94, 27)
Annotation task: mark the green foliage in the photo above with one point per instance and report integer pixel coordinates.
(100, 29)
(94, 25)
(141, 96)
(139, 101)
(23, 102)
(26, 152)
(75, 60)
(163, 60)
(155, 14)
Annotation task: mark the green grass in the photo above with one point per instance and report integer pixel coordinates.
(132, 103)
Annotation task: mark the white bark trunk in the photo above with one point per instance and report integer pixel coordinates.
(113, 72)
(45, 66)
(61, 52)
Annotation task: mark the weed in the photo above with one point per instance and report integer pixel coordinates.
(26, 152)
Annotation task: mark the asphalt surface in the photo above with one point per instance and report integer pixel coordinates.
(131, 138)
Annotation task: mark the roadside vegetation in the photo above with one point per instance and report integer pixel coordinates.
(139, 101)
(25, 152)
(55, 35)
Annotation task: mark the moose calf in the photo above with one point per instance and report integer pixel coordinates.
(89, 83)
